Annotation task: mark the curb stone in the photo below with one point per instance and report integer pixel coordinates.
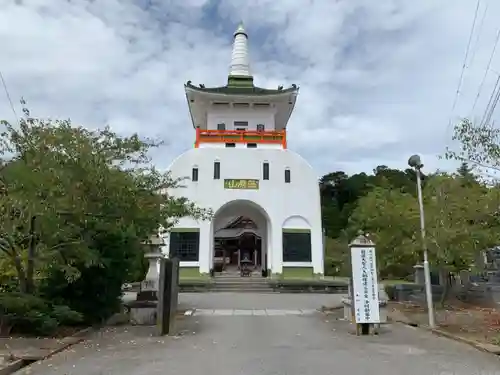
(488, 348)
(327, 309)
(67, 341)
(12, 367)
(484, 347)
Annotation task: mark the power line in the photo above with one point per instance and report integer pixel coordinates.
(490, 109)
(464, 65)
(493, 93)
(479, 32)
(486, 71)
(8, 96)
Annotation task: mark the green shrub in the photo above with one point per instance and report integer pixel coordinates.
(8, 284)
(336, 267)
(97, 293)
(37, 322)
(25, 313)
(65, 316)
(390, 290)
(332, 267)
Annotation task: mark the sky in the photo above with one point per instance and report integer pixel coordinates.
(378, 79)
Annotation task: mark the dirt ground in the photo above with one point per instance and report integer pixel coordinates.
(481, 324)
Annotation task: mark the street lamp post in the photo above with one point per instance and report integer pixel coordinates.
(416, 164)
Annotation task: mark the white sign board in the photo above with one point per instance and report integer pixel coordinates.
(365, 285)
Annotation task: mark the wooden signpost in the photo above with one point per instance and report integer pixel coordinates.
(364, 286)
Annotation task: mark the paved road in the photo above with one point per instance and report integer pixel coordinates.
(299, 344)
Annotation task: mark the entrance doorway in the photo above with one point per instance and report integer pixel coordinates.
(231, 252)
(240, 241)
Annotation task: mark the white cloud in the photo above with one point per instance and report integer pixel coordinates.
(377, 78)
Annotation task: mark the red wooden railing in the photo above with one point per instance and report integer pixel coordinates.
(240, 136)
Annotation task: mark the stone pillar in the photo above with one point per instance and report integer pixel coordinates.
(419, 274)
(206, 250)
(317, 251)
(275, 250)
(465, 277)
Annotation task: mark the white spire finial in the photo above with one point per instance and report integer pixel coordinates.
(240, 65)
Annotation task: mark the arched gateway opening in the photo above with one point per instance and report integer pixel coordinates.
(241, 232)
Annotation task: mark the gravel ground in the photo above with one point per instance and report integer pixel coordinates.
(266, 345)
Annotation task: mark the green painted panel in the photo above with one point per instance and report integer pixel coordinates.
(292, 230)
(189, 272)
(298, 273)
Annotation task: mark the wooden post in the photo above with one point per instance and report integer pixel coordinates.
(168, 296)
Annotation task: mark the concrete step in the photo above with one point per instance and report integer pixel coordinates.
(233, 282)
(261, 285)
(247, 290)
(242, 281)
(238, 276)
(241, 284)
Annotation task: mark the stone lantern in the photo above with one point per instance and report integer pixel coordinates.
(150, 285)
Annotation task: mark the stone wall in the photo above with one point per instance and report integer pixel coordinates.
(480, 293)
(482, 288)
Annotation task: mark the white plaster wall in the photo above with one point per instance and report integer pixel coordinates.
(280, 200)
(254, 116)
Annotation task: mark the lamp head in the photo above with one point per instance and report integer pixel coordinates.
(415, 162)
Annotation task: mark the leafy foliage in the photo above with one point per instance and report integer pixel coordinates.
(337, 257)
(460, 222)
(392, 218)
(340, 193)
(461, 217)
(479, 146)
(31, 314)
(75, 207)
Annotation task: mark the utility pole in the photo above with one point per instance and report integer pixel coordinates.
(30, 269)
(416, 164)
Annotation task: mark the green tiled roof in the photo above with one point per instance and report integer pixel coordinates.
(241, 90)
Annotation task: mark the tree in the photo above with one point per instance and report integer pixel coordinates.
(465, 173)
(479, 146)
(461, 221)
(340, 193)
(76, 205)
(465, 170)
(391, 217)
